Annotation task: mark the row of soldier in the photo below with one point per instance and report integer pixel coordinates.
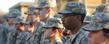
(66, 27)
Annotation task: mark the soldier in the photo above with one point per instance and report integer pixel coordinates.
(11, 23)
(33, 15)
(30, 16)
(53, 32)
(14, 12)
(97, 28)
(44, 12)
(18, 36)
(87, 19)
(107, 29)
(33, 21)
(73, 16)
(32, 38)
(11, 29)
(44, 16)
(37, 14)
(29, 33)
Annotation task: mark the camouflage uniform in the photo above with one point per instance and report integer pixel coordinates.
(22, 37)
(11, 36)
(79, 38)
(35, 37)
(14, 13)
(38, 32)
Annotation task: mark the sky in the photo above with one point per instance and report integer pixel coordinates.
(6, 4)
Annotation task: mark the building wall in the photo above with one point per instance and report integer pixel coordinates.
(107, 2)
(91, 5)
(24, 9)
(61, 3)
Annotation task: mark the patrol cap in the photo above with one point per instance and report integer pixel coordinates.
(98, 23)
(74, 8)
(57, 25)
(20, 19)
(14, 12)
(7, 17)
(101, 8)
(88, 19)
(54, 20)
(58, 15)
(96, 26)
(101, 17)
(29, 13)
(10, 16)
(31, 9)
(54, 23)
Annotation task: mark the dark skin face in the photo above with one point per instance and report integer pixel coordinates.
(72, 22)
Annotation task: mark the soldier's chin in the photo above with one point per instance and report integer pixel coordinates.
(66, 34)
(73, 28)
(30, 30)
(21, 30)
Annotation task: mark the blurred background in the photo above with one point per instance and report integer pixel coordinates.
(6, 6)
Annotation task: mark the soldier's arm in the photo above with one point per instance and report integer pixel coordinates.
(84, 41)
